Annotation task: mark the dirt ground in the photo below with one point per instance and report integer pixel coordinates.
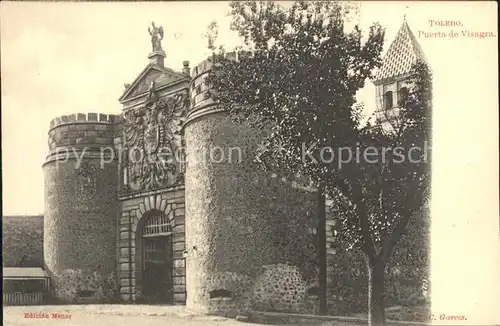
(118, 315)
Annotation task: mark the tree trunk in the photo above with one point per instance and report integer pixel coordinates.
(376, 304)
(323, 307)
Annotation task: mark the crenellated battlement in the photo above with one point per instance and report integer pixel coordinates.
(91, 131)
(85, 118)
(207, 64)
(201, 103)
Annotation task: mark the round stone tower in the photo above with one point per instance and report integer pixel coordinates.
(248, 241)
(81, 208)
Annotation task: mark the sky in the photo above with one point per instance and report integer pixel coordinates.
(62, 58)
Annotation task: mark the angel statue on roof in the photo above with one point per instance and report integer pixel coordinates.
(156, 36)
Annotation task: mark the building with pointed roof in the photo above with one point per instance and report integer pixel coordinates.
(402, 54)
(391, 80)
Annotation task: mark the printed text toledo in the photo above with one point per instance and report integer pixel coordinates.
(452, 29)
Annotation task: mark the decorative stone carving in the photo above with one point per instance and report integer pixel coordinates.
(151, 97)
(145, 83)
(153, 144)
(86, 181)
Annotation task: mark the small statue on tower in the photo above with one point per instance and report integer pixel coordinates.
(156, 36)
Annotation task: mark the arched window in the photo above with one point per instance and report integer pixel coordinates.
(388, 100)
(157, 224)
(402, 95)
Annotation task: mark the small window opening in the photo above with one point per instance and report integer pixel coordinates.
(84, 293)
(313, 291)
(403, 95)
(220, 293)
(388, 100)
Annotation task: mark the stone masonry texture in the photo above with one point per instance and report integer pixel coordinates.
(80, 233)
(133, 213)
(240, 223)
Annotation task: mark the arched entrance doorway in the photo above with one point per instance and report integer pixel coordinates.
(155, 239)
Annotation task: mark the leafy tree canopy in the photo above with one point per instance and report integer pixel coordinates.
(299, 84)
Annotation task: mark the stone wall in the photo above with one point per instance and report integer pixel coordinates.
(81, 209)
(133, 210)
(245, 231)
(79, 130)
(22, 236)
(250, 235)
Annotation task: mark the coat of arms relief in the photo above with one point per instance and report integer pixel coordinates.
(154, 151)
(86, 181)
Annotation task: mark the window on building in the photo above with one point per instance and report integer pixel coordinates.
(84, 293)
(313, 291)
(388, 100)
(220, 293)
(403, 95)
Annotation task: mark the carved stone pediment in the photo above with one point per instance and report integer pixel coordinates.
(152, 73)
(154, 150)
(141, 86)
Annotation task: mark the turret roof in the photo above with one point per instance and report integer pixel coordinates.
(403, 53)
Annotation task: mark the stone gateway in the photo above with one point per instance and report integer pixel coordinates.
(135, 213)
